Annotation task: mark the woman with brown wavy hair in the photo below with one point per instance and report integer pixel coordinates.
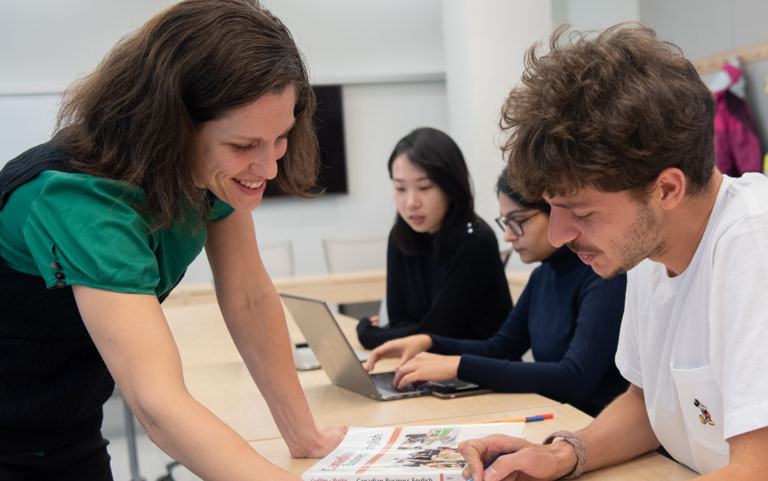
(165, 148)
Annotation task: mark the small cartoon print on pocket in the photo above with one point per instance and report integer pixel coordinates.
(704, 417)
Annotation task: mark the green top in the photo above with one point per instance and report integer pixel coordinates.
(86, 230)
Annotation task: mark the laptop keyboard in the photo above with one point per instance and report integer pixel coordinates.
(384, 380)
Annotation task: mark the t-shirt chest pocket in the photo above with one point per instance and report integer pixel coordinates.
(701, 405)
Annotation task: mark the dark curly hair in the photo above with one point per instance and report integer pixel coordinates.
(608, 110)
(136, 117)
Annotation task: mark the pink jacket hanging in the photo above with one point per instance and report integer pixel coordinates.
(737, 147)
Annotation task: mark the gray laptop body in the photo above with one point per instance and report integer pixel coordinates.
(339, 360)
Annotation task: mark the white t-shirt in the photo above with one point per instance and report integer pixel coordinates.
(698, 343)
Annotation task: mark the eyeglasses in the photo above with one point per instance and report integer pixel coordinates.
(516, 226)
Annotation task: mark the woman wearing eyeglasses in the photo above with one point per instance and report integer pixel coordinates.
(444, 272)
(567, 315)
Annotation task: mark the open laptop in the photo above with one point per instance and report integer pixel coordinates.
(305, 360)
(341, 364)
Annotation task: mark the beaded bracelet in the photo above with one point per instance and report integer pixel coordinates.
(578, 447)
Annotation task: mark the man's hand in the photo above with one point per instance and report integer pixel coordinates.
(524, 461)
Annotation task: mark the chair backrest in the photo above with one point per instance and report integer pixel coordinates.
(505, 255)
(345, 255)
(278, 258)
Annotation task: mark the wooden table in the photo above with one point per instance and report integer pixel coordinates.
(649, 467)
(216, 376)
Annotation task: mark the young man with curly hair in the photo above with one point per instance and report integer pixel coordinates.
(615, 131)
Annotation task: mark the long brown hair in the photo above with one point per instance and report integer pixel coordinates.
(609, 111)
(136, 117)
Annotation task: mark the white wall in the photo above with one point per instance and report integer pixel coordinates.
(594, 14)
(53, 43)
(25, 121)
(353, 41)
(484, 46)
(716, 28)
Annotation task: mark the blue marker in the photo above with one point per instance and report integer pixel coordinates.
(488, 464)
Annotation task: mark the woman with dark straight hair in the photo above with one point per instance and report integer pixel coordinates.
(444, 271)
(567, 315)
(165, 148)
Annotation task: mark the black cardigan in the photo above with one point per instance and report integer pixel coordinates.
(465, 295)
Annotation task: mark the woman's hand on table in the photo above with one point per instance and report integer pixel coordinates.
(327, 440)
(404, 348)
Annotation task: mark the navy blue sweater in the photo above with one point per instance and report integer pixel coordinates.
(570, 318)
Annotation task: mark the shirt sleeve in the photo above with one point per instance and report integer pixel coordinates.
(463, 286)
(220, 210)
(88, 233)
(588, 357)
(371, 336)
(509, 343)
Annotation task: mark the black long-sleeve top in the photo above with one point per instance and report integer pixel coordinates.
(465, 295)
(570, 318)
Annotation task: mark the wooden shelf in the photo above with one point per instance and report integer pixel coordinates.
(713, 63)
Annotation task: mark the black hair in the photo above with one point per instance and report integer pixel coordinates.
(503, 187)
(442, 161)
